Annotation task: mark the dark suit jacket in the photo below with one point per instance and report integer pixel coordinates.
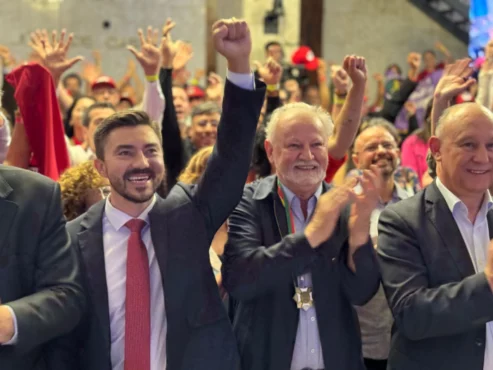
(39, 272)
(260, 263)
(199, 335)
(439, 303)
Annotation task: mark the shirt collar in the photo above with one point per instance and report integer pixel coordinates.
(290, 195)
(453, 202)
(399, 193)
(119, 218)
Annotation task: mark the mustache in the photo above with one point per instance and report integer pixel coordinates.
(139, 171)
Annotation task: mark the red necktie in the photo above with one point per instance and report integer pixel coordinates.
(137, 302)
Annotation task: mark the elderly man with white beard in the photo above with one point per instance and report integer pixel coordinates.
(298, 257)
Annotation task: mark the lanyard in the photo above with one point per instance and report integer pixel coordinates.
(287, 209)
(302, 296)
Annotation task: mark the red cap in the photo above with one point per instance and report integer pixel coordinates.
(305, 56)
(103, 81)
(195, 92)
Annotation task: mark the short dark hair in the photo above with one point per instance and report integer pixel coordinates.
(72, 75)
(272, 43)
(86, 117)
(128, 118)
(381, 122)
(206, 108)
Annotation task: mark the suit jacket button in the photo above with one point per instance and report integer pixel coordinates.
(334, 260)
(479, 342)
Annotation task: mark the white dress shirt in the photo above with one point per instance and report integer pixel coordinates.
(115, 239)
(477, 239)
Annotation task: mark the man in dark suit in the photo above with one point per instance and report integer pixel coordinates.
(164, 264)
(434, 248)
(41, 295)
(291, 237)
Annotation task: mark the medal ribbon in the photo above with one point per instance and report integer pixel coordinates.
(287, 209)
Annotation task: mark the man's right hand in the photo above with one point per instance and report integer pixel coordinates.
(233, 41)
(327, 212)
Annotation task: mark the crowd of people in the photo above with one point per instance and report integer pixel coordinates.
(262, 222)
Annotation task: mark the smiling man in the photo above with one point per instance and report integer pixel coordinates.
(297, 259)
(377, 145)
(435, 251)
(154, 302)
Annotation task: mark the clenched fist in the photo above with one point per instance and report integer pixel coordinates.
(232, 40)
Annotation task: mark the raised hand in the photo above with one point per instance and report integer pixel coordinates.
(168, 47)
(355, 67)
(414, 62)
(340, 79)
(455, 80)
(215, 88)
(6, 56)
(270, 72)
(183, 55)
(232, 40)
(53, 54)
(378, 77)
(149, 55)
(329, 207)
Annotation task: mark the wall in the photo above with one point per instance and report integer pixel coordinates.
(383, 31)
(85, 18)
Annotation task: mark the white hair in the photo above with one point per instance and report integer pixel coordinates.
(316, 112)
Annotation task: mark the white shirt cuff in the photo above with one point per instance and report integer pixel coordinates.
(244, 80)
(14, 338)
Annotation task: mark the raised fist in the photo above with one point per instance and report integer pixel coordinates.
(232, 40)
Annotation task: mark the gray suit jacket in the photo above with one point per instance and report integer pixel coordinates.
(439, 303)
(39, 272)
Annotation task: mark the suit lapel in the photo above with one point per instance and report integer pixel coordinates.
(8, 210)
(159, 234)
(92, 250)
(439, 214)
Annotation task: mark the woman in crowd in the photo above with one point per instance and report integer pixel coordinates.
(81, 186)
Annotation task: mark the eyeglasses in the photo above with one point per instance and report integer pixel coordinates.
(372, 148)
(105, 191)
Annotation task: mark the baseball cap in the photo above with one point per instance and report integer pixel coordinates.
(305, 56)
(103, 81)
(195, 92)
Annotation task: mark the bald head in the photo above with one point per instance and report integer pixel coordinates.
(463, 150)
(456, 116)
